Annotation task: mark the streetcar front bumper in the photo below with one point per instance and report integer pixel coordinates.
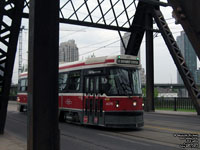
(130, 119)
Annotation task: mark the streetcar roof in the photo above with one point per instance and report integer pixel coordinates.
(98, 62)
(94, 62)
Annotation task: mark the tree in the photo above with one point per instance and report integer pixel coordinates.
(144, 92)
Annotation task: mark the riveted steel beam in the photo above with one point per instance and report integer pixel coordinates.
(149, 105)
(187, 13)
(10, 21)
(43, 132)
(137, 30)
(178, 59)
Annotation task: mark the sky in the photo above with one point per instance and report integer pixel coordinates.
(102, 42)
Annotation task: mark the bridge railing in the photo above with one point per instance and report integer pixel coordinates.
(173, 103)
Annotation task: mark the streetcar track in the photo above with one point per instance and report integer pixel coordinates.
(122, 135)
(172, 130)
(83, 140)
(119, 135)
(18, 120)
(164, 122)
(124, 139)
(146, 139)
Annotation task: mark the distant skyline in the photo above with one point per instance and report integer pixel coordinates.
(102, 42)
(189, 54)
(68, 51)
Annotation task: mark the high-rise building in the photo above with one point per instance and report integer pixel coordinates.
(190, 58)
(68, 51)
(143, 76)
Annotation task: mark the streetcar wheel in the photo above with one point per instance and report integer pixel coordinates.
(62, 116)
(21, 109)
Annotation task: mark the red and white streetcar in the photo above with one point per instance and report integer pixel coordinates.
(102, 91)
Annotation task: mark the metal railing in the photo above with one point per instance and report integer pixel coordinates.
(173, 103)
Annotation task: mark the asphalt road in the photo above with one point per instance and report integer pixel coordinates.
(157, 134)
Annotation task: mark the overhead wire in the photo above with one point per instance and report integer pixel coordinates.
(99, 48)
(102, 46)
(97, 43)
(155, 35)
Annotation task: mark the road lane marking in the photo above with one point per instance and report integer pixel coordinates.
(171, 129)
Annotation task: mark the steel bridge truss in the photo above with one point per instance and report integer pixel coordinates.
(99, 14)
(10, 21)
(118, 15)
(178, 59)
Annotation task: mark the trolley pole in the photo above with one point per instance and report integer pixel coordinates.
(149, 106)
(43, 132)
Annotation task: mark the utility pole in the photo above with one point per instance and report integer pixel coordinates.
(20, 48)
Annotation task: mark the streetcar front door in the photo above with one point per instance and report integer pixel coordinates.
(93, 103)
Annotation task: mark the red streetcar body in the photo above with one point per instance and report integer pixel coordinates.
(125, 104)
(104, 91)
(22, 98)
(72, 102)
(22, 92)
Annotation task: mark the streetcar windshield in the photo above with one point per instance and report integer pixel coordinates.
(123, 82)
(136, 82)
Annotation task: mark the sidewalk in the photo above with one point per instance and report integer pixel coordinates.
(10, 142)
(181, 113)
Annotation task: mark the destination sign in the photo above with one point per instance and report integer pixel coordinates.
(128, 61)
(94, 71)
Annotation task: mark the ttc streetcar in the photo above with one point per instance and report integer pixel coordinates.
(102, 91)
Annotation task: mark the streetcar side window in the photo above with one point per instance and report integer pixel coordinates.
(97, 85)
(87, 84)
(74, 81)
(23, 83)
(63, 81)
(91, 85)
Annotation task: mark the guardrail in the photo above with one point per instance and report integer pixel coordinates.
(173, 103)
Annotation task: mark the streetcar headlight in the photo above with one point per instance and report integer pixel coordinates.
(18, 99)
(142, 104)
(134, 103)
(117, 104)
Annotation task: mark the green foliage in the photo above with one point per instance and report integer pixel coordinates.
(155, 92)
(144, 92)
